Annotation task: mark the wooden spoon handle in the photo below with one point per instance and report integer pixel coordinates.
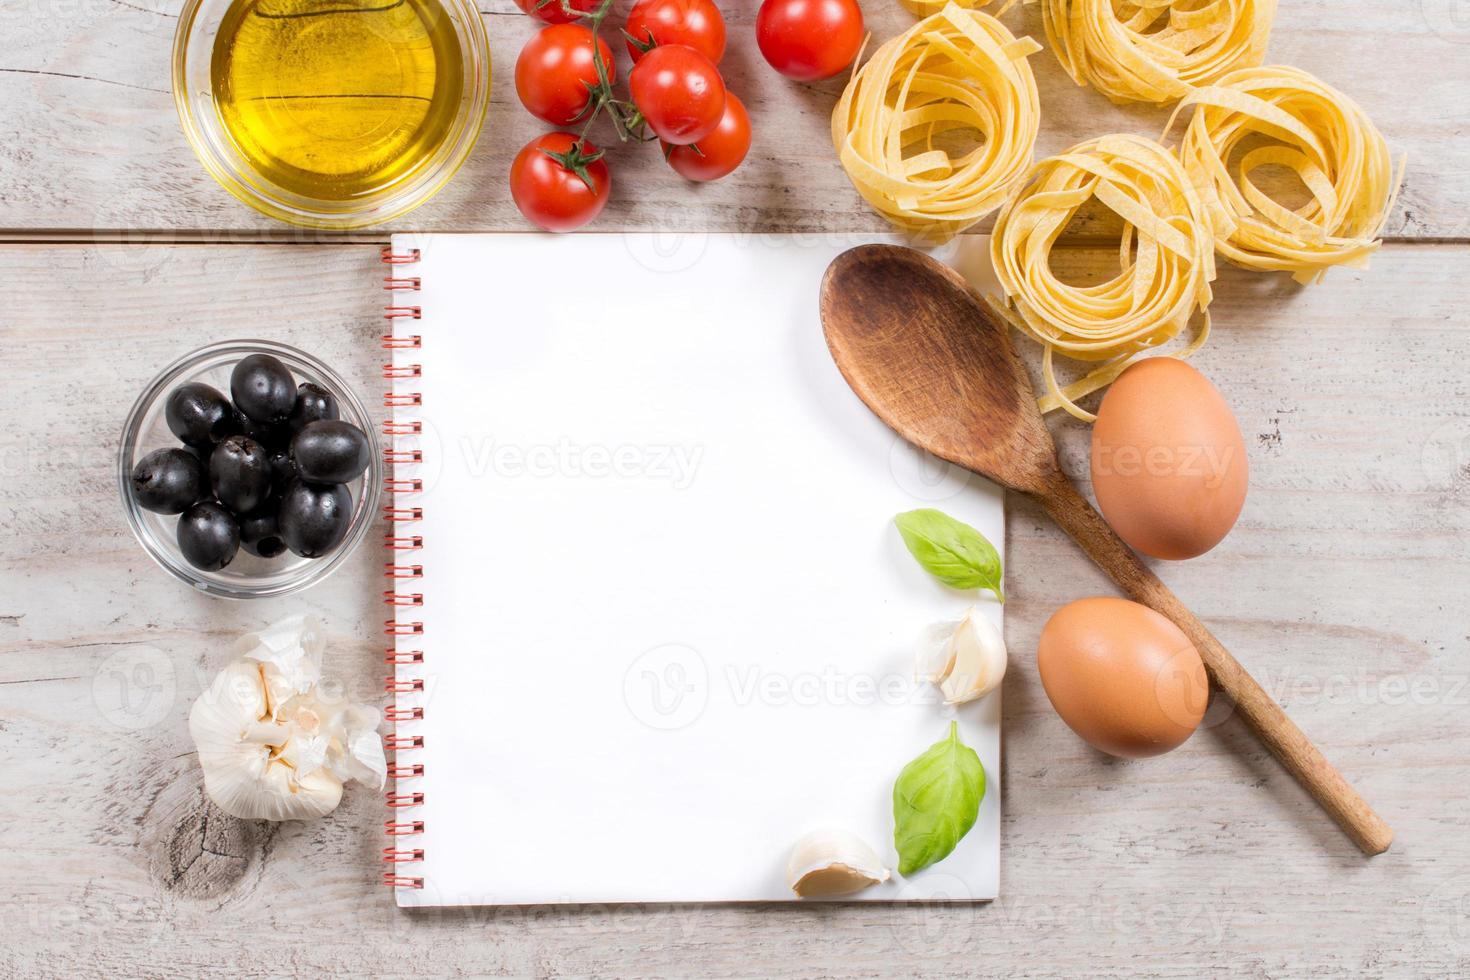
(1300, 757)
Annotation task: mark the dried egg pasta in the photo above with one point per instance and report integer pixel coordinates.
(1281, 117)
(923, 8)
(1155, 50)
(1165, 261)
(959, 74)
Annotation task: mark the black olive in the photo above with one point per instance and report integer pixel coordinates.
(208, 536)
(199, 414)
(313, 404)
(269, 436)
(260, 533)
(263, 389)
(200, 451)
(169, 481)
(283, 471)
(240, 473)
(330, 452)
(314, 517)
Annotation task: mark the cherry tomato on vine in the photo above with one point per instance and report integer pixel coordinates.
(696, 23)
(679, 92)
(719, 153)
(551, 11)
(557, 184)
(809, 39)
(555, 69)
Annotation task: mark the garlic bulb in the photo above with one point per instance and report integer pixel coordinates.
(272, 743)
(833, 862)
(967, 659)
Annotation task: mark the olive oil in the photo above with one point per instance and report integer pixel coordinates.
(336, 99)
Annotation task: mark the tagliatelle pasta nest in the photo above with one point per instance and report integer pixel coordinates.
(1155, 50)
(1165, 261)
(1284, 118)
(923, 8)
(958, 76)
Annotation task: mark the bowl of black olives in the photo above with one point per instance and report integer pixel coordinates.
(249, 469)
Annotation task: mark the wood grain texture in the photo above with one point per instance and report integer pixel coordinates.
(925, 353)
(90, 141)
(1342, 589)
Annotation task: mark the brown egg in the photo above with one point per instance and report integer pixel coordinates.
(1168, 461)
(1122, 676)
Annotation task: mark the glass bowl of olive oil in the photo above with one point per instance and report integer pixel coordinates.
(331, 113)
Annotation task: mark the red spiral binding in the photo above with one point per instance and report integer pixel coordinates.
(400, 800)
(393, 743)
(400, 486)
(394, 628)
(401, 881)
(400, 258)
(395, 713)
(395, 856)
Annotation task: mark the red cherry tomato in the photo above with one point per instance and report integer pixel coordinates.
(679, 92)
(555, 68)
(548, 189)
(696, 23)
(809, 39)
(719, 153)
(551, 11)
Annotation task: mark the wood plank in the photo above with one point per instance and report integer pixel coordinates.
(90, 142)
(1342, 588)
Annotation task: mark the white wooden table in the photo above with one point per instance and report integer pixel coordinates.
(1343, 587)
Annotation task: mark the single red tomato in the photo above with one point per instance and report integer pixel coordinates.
(679, 92)
(719, 153)
(555, 68)
(557, 184)
(809, 39)
(551, 11)
(696, 23)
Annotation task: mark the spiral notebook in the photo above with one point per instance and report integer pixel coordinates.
(651, 619)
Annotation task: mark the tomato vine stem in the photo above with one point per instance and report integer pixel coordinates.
(626, 119)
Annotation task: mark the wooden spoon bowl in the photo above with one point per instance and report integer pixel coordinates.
(936, 364)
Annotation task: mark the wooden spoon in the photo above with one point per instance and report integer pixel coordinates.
(931, 360)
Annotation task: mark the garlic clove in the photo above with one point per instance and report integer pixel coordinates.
(832, 862)
(273, 793)
(294, 647)
(364, 760)
(935, 653)
(979, 662)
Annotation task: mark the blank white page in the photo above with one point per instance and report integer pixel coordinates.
(669, 625)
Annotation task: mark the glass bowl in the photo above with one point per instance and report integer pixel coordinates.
(194, 40)
(247, 576)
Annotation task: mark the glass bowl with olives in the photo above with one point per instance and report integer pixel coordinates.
(249, 469)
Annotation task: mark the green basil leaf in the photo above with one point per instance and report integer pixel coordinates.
(953, 552)
(935, 802)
